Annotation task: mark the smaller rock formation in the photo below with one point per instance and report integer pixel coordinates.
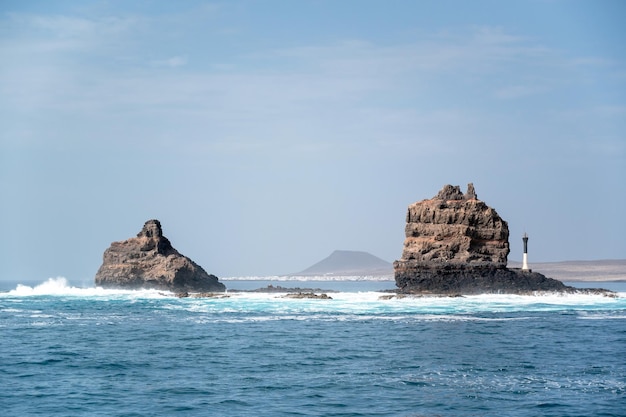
(200, 295)
(150, 261)
(456, 244)
(280, 289)
(311, 295)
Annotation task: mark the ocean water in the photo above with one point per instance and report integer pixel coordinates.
(69, 351)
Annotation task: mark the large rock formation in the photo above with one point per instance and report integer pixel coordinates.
(455, 243)
(150, 261)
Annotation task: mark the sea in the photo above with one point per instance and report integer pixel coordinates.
(77, 350)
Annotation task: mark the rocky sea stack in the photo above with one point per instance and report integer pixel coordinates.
(456, 244)
(150, 261)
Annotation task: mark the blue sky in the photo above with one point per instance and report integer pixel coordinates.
(266, 134)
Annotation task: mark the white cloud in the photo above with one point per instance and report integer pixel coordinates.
(65, 27)
(58, 26)
(518, 91)
(173, 62)
(476, 52)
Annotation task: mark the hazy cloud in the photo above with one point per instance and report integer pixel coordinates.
(70, 27)
(348, 91)
(518, 91)
(173, 62)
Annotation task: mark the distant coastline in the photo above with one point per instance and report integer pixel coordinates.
(606, 270)
(575, 271)
(327, 277)
(342, 284)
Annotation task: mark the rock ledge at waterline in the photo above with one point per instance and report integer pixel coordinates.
(150, 261)
(456, 244)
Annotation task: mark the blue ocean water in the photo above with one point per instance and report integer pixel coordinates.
(68, 351)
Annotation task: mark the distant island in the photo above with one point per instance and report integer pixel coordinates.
(596, 270)
(346, 263)
(349, 263)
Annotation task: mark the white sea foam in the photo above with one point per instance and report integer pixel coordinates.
(603, 315)
(376, 306)
(59, 286)
(344, 303)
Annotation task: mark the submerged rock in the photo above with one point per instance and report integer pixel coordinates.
(312, 295)
(456, 244)
(280, 289)
(150, 261)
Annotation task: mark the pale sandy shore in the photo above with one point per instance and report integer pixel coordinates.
(601, 270)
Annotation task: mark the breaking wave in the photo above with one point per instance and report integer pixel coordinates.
(60, 286)
(340, 303)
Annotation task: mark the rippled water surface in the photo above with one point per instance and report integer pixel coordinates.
(86, 351)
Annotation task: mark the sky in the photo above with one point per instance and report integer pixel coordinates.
(266, 134)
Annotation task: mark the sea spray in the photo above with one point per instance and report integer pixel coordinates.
(60, 286)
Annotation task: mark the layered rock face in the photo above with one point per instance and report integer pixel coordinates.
(453, 228)
(455, 243)
(150, 261)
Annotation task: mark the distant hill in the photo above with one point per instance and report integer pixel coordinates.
(349, 263)
(601, 270)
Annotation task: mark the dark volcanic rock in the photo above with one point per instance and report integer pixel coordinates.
(301, 295)
(150, 261)
(279, 289)
(455, 243)
(458, 279)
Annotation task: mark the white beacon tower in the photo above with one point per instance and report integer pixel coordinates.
(525, 257)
